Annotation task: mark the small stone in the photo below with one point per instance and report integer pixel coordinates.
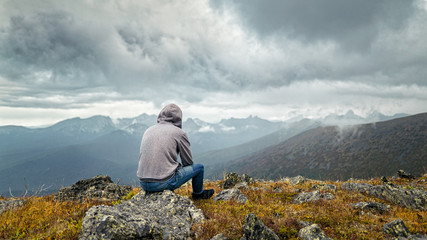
(312, 232)
(372, 207)
(232, 179)
(403, 174)
(323, 186)
(219, 237)
(295, 180)
(359, 187)
(396, 228)
(254, 229)
(312, 196)
(242, 185)
(10, 204)
(229, 194)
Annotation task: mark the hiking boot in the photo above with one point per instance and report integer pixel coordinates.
(206, 194)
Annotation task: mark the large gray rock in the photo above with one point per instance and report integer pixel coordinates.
(410, 198)
(254, 229)
(312, 232)
(10, 204)
(312, 196)
(100, 188)
(163, 215)
(229, 194)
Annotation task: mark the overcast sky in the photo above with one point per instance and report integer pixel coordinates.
(276, 59)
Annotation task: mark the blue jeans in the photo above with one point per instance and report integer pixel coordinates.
(181, 176)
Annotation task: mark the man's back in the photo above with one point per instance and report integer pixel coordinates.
(160, 147)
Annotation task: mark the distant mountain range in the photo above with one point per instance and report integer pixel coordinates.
(358, 151)
(76, 148)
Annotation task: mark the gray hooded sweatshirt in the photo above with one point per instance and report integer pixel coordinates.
(161, 145)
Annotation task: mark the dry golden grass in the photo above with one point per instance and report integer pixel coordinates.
(277, 211)
(43, 218)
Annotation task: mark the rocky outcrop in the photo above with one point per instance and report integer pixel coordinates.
(410, 198)
(371, 207)
(312, 232)
(99, 188)
(254, 229)
(231, 179)
(10, 204)
(229, 194)
(312, 196)
(163, 215)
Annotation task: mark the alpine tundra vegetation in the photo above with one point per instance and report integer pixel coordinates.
(286, 208)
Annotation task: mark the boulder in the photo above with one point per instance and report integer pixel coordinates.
(99, 188)
(312, 232)
(254, 229)
(163, 215)
(323, 186)
(10, 204)
(229, 194)
(231, 179)
(312, 196)
(371, 207)
(396, 228)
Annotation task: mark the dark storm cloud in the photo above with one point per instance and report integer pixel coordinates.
(50, 44)
(57, 54)
(354, 24)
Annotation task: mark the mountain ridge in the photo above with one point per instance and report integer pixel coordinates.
(117, 142)
(331, 152)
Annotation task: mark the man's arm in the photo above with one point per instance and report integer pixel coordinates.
(185, 151)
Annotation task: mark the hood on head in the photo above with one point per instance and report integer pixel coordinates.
(171, 113)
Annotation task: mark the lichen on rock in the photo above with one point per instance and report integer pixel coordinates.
(229, 194)
(371, 207)
(231, 179)
(10, 204)
(410, 198)
(396, 228)
(254, 229)
(312, 232)
(312, 196)
(163, 215)
(100, 187)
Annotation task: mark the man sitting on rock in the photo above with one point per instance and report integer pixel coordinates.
(159, 168)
